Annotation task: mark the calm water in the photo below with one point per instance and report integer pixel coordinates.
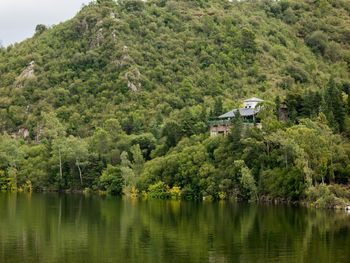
(75, 228)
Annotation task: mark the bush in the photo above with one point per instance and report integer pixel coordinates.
(340, 191)
(159, 190)
(318, 42)
(175, 192)
(111, 181)
(280, 182)
(321, 196)
(297, 73)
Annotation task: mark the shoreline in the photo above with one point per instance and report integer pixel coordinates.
(262, 200)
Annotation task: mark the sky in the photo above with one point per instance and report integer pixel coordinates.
(18, 18)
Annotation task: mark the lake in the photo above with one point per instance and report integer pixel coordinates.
(78, 228)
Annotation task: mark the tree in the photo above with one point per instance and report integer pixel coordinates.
(309, 146)
(127, 172)
(114, 129)
(278, 106)
(335, 111)
(35, 166)
(77, 153)
(39, 29)
(247, 41)
(51, 127)
(247, 180)
(111, 180)
(173, 133)
(10, 159)
(235, 134)
(59, 145)
(71, 150)
(318, 42)
(187, 122)
(218, 108)
(101, 143)
(138, 161)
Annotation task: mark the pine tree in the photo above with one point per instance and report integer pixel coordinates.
(218, 108)
(335, 107)
(278, 106)
(236, 133)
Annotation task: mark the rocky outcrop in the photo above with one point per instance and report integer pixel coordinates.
(22, 133)
(133, 78)
(97, 40)
(27, 74)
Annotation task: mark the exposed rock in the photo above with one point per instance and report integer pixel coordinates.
(39, 134)
(82, 26)
(27, 74)
(133, 78)
(22, 133)
(133, 87)
(97, 41)
(126, 60)
(99, 23)
(113, 15)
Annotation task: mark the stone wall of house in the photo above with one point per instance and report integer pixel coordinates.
(219, 130)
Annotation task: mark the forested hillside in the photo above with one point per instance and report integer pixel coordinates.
(118, 99)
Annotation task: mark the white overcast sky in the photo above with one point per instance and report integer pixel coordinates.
(18, 18)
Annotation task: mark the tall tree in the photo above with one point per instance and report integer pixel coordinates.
(218, 107)
(138, 161)
(335, 112)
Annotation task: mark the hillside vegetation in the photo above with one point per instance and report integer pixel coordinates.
(118, 99)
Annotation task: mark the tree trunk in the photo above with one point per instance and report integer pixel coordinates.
(286, 158)
(61, 173)
(80, 173)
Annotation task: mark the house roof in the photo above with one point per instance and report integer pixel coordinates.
(243, 112)
(230, 114)
(254, 99)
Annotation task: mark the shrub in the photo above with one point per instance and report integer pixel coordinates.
(280, 182)
(222, 195)
(318, 42)
(159, 190)
(175, 192)
(321, 196)
(297, 73)
(111, 181)
(340, 191)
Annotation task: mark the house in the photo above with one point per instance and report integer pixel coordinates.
(222, 125)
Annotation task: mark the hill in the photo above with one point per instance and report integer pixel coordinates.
(125, 82)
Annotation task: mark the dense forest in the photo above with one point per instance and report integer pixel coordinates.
(118, 99)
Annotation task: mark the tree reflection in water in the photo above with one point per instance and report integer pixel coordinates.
(76, 228)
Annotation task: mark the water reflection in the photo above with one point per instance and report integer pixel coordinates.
(75, 228)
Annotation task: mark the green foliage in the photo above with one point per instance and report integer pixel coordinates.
(175, 192)
(39, 29)
(283, 183)
(322, 196)
(138, 161)
(125, 101)
(111, 181)
(218, 108)
(159, 190)
(247, 180)
(297, 73)
(318, 42)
